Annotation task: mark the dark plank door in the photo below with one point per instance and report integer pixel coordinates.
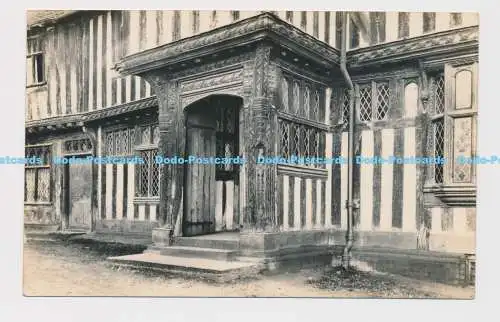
(199, 202)
(80, 192)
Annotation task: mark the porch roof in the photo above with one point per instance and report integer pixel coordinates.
(265, 26)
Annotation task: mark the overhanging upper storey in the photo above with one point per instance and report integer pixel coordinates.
(237, 37)
(427, 49)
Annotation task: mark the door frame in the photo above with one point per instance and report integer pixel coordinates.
(66, 189)
(209, 103)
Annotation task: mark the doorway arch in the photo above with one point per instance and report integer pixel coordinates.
(211, 182)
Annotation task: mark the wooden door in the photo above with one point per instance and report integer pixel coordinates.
(80, 192)
(199, 201)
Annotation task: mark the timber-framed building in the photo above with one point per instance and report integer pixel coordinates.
(250, 84)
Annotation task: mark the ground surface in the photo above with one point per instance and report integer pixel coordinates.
(71, 269)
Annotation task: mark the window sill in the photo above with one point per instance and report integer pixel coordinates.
(149, 200)
(38, 203)
(454, 195)
(302, 171)
(36, 85)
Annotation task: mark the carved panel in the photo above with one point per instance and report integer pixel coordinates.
(462, 148)
(78, 146)
(225, 78)
(463, 89)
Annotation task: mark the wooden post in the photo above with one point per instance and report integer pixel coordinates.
(171, 124)
(260, 141)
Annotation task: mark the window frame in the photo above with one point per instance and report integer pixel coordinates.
(37, 168)
(140, 147)
(296, 114)
(373, 85)
(35, 69)
(449, 115)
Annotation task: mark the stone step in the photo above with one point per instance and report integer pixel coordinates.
(185, 265)
(193, 252)
(216, 243)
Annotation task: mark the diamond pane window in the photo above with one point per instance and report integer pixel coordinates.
(109, 143)
(148, 174)
(307, 101)
(119, 142)
(284, 138)
(29, 185)
(438, 149)
(284, 94)
(439, 95)
(315, 106)
(146, 135)
(296, 97)
(43, 192)
(300, 140)
(365, 109)
(382, 101)
(38, 176)
(156, 134)
(345, 106)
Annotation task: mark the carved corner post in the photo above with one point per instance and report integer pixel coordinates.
(422, 123)
(260, 136)
(170, 119)
(92, 135)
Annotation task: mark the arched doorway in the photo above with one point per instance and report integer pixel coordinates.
(211, 190)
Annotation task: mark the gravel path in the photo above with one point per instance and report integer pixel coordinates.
(68, 269)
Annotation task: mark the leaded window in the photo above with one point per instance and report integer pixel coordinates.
(296, 97)
(374, 101)
(346, 97)
(438, 125)
(148, 184)
(382, 101)
(37, 176)
(302, 99)
(453, 109)
(307, 101)
(301, 140)
(119, 142)
(365, 107)
(315, 108)
(284, 93)
(148, 173)
(439, 97)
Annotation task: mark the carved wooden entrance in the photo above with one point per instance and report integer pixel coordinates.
(210, 199)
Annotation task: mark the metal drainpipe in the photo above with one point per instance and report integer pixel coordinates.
(346, 257)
